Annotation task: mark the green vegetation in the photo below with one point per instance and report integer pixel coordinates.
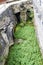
(30, 14)
(26, 52)
(0, 46)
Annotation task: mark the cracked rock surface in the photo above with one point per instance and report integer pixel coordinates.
(7, 22)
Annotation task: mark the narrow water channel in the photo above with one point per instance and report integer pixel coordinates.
(26, 51)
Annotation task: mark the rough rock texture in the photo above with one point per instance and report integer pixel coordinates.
(22, 8)
(8, 20)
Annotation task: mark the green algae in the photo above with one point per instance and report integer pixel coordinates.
(26, 52)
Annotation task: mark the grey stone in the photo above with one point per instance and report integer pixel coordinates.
(4, 35)
(2, 45)
(8, 21)
(10, 33)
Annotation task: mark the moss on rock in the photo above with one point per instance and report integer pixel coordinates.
(26, 52)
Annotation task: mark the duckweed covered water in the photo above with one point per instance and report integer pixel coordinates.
(26, 52)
